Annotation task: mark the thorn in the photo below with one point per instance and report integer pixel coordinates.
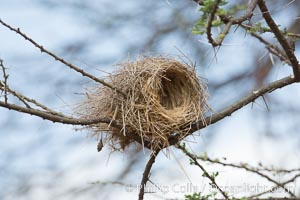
(265, 103)
(100, 145)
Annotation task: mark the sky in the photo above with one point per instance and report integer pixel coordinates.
(43, 160)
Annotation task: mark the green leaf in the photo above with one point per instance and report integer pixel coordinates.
(217, 22)
(192, 162)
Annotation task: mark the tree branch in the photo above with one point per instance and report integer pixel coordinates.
(146, 174)
(26, 101)
(209, 24)
(272, 48)
(281, 39)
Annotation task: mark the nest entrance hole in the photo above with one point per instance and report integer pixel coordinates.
(173, 89)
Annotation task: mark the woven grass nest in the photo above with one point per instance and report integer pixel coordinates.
(162, 96)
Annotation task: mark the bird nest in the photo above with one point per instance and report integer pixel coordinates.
(162, 97)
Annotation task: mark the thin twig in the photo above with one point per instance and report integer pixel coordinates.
(146, 174)
(209, 24)
(211, 178)
(43, 50)
(27, 100)
(272, 48)
(224, 33)
(295, 35)
(247, 15)
(19, 96)
(279, 170)
(219, 40)
(4, 83)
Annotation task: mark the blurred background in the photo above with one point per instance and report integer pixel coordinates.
(43, 160)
